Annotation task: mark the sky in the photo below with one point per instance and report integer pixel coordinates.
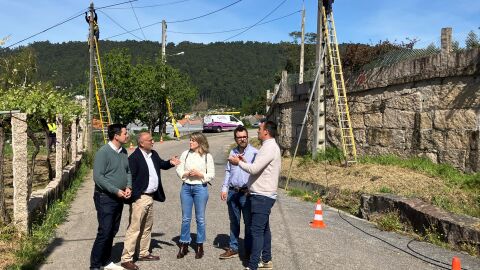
(367, 21)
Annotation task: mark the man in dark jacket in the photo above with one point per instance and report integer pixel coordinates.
(145, 165)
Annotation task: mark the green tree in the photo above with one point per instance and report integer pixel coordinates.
(139, 92)
(18, 69)
(472, 40)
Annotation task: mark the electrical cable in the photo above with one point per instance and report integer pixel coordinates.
(103, 12)
(185, 20)
(117, 4)
(47, 29)
(150, 6)
(236, 29)
(427, 259)
(236, 35)
(207, 14)
(138, 22)
(416, 252)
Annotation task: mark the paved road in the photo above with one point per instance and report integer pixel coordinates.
(346, 243)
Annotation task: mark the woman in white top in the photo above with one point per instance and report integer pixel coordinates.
(196, 170)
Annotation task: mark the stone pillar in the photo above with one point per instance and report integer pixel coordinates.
(268, 101)
(73, 141)
(446, 40)
(59, 149)
(83, 125)
(20, 172)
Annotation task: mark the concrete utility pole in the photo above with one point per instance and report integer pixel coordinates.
(164, 40)
(302, 48)
(318, 143)
(90, 87)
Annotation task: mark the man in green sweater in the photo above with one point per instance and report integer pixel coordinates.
(113, 185)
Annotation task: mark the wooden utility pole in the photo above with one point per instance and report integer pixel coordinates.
(302, 48)
(318, 143)
(91, 42)
(164, 39)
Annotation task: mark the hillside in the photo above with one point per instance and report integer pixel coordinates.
(225, 73)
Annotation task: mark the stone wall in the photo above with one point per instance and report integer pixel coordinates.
(27, 205)
(428, 107)
(41, 199)
(288, 106)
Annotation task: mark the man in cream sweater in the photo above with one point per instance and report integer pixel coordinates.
(262, 183)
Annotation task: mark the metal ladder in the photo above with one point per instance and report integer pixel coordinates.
(102, 103)
(339, 90)
(174, 122)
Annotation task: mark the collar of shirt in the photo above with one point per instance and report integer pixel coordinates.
(145, 154)
(269, 141)
(247, 149)
(118, 150)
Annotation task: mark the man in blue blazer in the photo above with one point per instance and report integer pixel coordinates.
(145, 165)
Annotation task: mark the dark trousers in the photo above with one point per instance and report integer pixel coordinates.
(261, 207)
(238, 205)
(109, 213)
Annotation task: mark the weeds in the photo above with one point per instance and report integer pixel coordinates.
(471, 249)
(331, 154)
(385, 189)
(310, 196)
(389, 221)
(431, 235)
(443, 171)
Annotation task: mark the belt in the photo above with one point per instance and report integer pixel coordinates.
(239, 189)
(148, 194)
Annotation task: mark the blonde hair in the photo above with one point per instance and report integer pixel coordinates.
(202, 142)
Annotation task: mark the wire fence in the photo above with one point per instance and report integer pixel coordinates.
(424, 48)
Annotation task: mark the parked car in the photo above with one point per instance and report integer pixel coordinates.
(220, 122)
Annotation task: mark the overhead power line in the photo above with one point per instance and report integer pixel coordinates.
(255, 24)
(117, 4)
(65, 21)
(236, 29)
(150, 6)
(119, 25)
(207, 14)
(49, 28)
(178, 21)
(138, 22)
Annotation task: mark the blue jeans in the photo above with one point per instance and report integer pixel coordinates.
(261, 207)
(109, 213)
(237, 205)
(193, 195)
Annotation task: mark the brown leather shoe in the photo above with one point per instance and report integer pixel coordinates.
(199, 251)
(149, 257)
(229, 253)
(129, 265)
(182, 251)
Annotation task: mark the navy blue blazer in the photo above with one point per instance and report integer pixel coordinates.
(139, 169)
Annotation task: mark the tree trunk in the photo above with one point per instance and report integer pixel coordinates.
(31, 172)
(4, 217)
(49, 152)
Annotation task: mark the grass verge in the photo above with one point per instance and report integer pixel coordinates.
(31, 248)
(439, 184)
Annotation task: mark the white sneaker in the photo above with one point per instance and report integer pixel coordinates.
(112, 266)
(265, 265)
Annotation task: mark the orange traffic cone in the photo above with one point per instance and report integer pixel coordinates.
(456, 264)
(161, 139)
(131, 146)
(318, 217)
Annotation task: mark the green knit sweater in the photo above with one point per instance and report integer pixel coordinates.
(110, 170)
